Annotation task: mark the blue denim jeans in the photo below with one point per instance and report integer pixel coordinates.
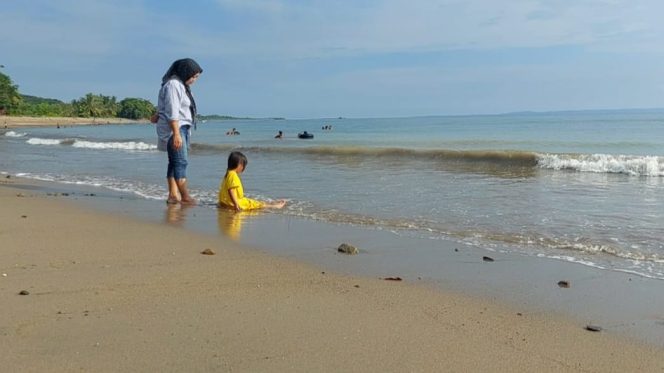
(177, 159)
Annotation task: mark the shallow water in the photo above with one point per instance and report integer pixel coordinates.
(584, 187)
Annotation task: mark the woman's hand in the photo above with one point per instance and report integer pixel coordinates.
(177, 141)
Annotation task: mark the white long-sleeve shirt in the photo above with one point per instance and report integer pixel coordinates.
(173, 104)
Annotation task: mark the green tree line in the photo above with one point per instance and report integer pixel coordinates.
(12, 102)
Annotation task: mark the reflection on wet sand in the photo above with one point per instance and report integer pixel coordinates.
(230, 222)
(176, 214)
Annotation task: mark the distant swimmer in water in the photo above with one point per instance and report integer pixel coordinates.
(280, 135)
(232, 132)
(305, 135)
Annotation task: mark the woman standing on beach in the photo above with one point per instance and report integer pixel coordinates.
(176, 110)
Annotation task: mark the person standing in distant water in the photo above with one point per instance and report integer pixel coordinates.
(280, 135)
(176, 114)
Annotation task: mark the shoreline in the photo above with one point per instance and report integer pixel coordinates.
(21, 121)
(621, 303)
(108, 292)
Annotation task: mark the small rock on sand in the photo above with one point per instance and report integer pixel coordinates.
(23, 292)
(563, 284)
(208, 252)
(593, 328)
(392, 279)
(348, 249)
(487, 259)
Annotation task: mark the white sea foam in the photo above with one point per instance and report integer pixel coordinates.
(84, 144)
(148, 191)
(128, 145)
(15, 134)
(604, 163)
(40, 141)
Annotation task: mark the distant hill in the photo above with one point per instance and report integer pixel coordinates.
(218, 117)
(228, 117)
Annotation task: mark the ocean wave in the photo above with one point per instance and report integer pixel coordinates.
(15, 134)
(604, 163)
(127, 145)
(85, 144)
(212, 148)
(523, 158)
(495, 159)
(590, 248)
(40, 141)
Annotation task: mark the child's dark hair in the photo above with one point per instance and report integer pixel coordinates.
(235, 159)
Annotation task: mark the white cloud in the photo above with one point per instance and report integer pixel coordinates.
(83, 28)
(269, 51)
(318, 28)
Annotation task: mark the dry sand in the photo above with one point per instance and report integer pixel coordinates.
(111, 294)
(14, 122)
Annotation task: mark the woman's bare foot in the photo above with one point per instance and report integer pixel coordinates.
(172, 201)
(188, 201)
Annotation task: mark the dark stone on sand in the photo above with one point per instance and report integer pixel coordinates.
(348, 249)
(23, 292)
(487, 259)
(24, 216)
(593, 328)
(456, 250)
(20, 195)
(64, 194)
(392, 279)
(563, 284)
(8, 177)
(208, 252)
(357, 286)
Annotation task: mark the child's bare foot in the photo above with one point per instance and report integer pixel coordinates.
(279, 204)
(172, 201)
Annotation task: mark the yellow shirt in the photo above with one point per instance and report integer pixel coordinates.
(232, 181)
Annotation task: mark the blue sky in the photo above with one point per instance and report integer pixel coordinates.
(360, 58)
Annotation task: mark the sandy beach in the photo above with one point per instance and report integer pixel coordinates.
(107, 294)
(15, 121)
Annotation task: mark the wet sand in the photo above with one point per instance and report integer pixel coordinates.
(109, 293)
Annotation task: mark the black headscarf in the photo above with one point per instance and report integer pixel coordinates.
(184, 69)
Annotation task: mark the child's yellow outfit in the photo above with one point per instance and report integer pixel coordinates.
(230, 181)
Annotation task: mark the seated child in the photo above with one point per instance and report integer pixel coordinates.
(231, 193)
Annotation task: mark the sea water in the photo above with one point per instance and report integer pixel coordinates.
(585, 187)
